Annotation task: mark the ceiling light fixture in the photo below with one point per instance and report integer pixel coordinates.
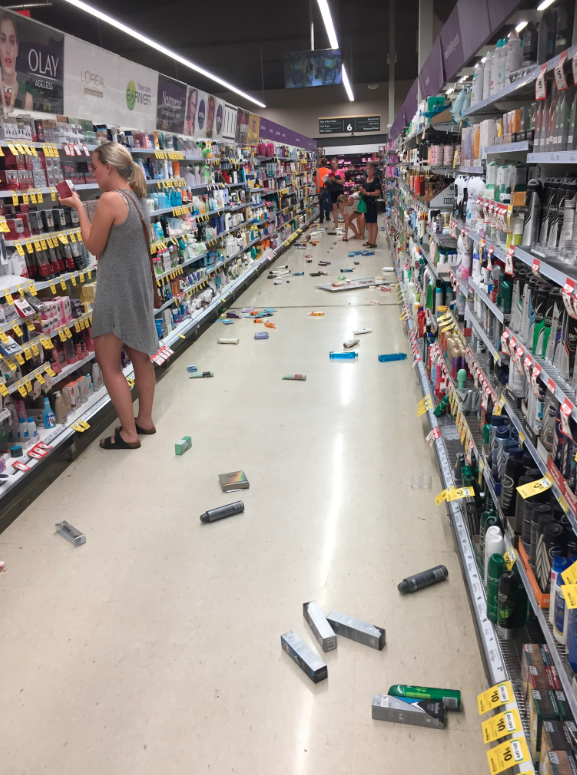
(451, 90)
(545, 4)
(159, 47)
(334, 43)
(521, 26)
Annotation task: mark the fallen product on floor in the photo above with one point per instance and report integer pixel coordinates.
(451, 698)
(318, 623)
(297, 377)
(347, 270)
(358, 331)
(230, 510)
(236, 480)
(419, 714)
(298, 274)
(268, 324)
(392, 357)
(423, 579)
(343, 356)
(70, 533)
(191, 369)
(223, 340)
(227, 322)
(309, 662)
(315, 314)
(350, 343)
(350, 285)
(261, 335)
(354, 629)
(183, 445)
(202, 375)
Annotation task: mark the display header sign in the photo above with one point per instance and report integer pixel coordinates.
(452, 45)
(91, 82)
(431, 76)
(170, 105)
(345, 124)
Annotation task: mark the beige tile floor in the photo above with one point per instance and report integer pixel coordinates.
(155, 647)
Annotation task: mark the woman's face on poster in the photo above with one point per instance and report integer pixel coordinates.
(8, 46)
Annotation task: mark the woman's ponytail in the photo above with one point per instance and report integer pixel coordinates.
(138, 181)
(119, 157)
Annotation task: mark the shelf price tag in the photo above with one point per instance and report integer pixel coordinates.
(509, 261)
(499, 406)
(532, 488)
(536, 265)
(559, 71)
(566, 294)
(570, 594)
(492, 698)
(570, 575)
(510, 558)
(509, 754)
(434, 433)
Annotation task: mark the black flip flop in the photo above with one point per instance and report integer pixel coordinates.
(139, 430)
(117, 442)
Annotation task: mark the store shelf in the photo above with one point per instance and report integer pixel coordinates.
(504, 148)
(486, 300)
(476, 323)
(472, 170)
(10, 282)
(46, 190)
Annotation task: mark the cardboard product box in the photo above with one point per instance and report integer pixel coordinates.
(424, 713)
(308, 661)
(354, 629)
(533, 672)
(318, 623)
(564, 709)
(559, 763)
(554, 737)
(542, 707)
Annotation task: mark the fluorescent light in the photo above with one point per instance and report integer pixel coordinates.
(545, 4)
(159, 47)
(348, 85)
(328, 20)
(483, 60)
(451, 90)
(521, 26)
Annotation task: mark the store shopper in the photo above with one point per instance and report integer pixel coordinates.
(323, 193)
(334, 181)
(123, 313)
(371, 191)
(350, 213)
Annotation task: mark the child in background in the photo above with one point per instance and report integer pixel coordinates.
(350, 213)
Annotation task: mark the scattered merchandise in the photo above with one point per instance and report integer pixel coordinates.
(298, 377)
(71, 534)
(309, 662)
(228, 341)
(316, 314)
(451, 698)
(359, 331)
(227, 322)
(191, 369)
(261, 335)
(2, 565)
(234, 481)
(183, 445)
(230, 510)
(392, 357)
(298, 274)
(351, 343)
(268, 324)
(361, 632)
(343, 356)
(423, 579)
(420, 714)
(318, 623)
(202, 374)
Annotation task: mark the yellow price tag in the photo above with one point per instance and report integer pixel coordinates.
(53, 288)
(22, 390)
(62, 336)
(30, 325)
(423, 409)
(85, 425)
(32, 288)
(3, 389)
(25, 199)
(53, 193)
(570, 575)
(72, 237)
(34, 347)
(28, 383)
(510, 557)
(19, 248)
(73, 280)
(497, 695)
(15, 199)
(532, 488)
(508, 754)
(68, 332)
(40, 378)
(463, 492)
(20, 359)
(17, 330)
(78, 428)
(499, 406)
(81, 276)
(570, 592)
(33, 197)
(442, 496)
(50, 372)
(39, 196)
(63, 284)
(27, 353)
(63, 239)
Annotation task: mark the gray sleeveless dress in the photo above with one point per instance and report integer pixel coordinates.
(124, 304)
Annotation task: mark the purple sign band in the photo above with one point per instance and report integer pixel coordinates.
(431, 76)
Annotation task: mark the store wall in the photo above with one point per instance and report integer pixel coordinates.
(300, 109)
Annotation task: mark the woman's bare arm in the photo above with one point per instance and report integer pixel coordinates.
(111, 209)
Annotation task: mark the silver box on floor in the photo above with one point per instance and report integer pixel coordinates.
(309, 662)
(367, 634)
(318, 623)
(71, 533)
(425, 713)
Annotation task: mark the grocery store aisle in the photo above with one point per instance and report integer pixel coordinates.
(155, 647)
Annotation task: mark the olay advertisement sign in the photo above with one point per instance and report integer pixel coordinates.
(170, 105)
(31, 65)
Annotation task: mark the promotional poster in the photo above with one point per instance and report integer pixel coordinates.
(170, 105)
(253, 129)
(91, 82)
(242, 125)
(31, 65)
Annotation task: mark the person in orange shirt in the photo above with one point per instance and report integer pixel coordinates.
(321, 172)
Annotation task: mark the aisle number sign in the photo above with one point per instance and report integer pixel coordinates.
(506, 723)
(501, 694)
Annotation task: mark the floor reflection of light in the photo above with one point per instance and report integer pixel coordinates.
(333, 509)
(303, 732)
(347, 373)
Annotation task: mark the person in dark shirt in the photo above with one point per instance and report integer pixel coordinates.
(371, 190)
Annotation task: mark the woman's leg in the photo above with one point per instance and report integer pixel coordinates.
(108, 348)
(373, 233)
(146, 384)
(342, 211)
(352, 218)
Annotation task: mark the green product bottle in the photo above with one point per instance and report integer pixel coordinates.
(441, 407)
(430, 296)
(494, 570)
(506, 293)
(451, 698)
(511, 604)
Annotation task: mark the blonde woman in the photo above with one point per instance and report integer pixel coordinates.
(350, 212)
(123, 314)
